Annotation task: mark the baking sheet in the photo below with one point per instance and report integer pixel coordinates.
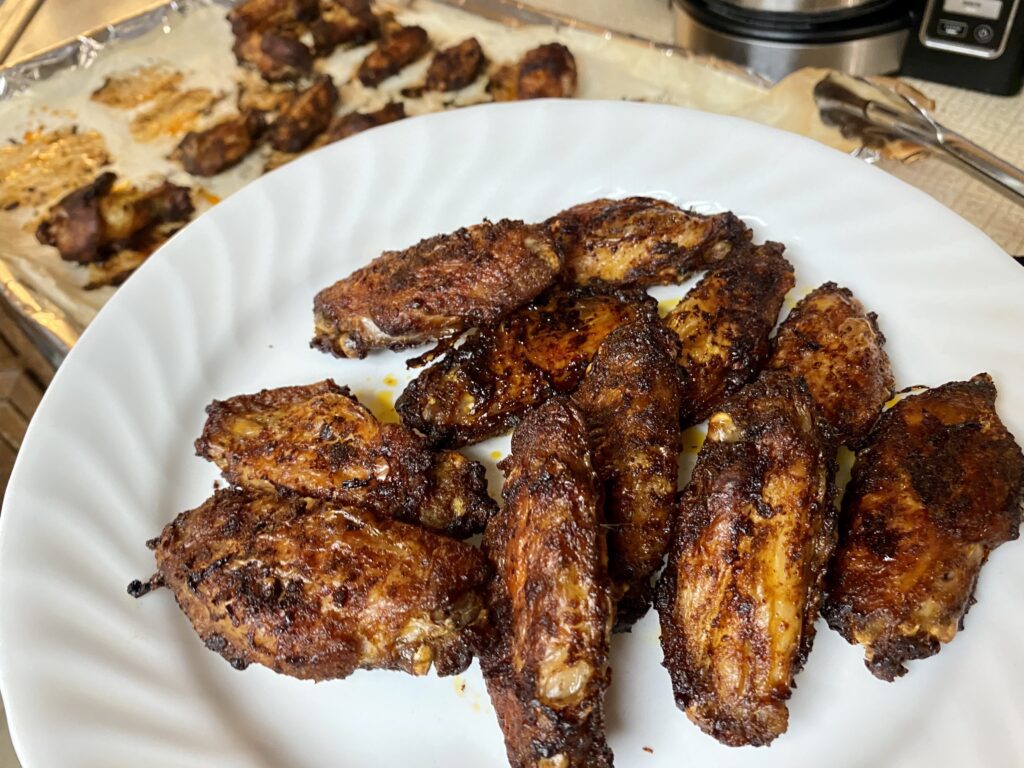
(52, 92)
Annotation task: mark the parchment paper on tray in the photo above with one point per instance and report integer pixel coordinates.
(183, 76)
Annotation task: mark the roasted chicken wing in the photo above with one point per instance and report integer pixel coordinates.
(547, 669)
(268, 14)
(315, 590)
(938, 487)
(454, 68)
(343, 22)
(318, 441)
(835, 346)
(723, 326)
(222, 146)
(399, 48)
(435, 289)
(630, 400)
(305, 117)
(504, 369)
(276, 56)
(743, 584)
(548, 71)
(96, 221)
(641, 241)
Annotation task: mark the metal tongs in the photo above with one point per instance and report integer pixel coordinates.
(875, 114)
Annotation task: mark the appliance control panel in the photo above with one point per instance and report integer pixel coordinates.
(978, 28)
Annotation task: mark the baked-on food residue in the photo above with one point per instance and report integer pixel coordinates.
(44, 165)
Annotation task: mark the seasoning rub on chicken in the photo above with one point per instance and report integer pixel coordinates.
(319, 441)
(316, 590)
(938, 486)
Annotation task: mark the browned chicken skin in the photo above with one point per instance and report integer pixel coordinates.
(630, 400)
(343, 126)
(723, 326)
(96, 221)
(641, 241)
(318, 441)
(399, 48)
(343, 22)
(276, 56)
(454, 68)
(743, 584)
(504, 369)
(307, 116)
(316, 591)
(547, 71)
(435, 289)
(547, 670)
(267, 14)
(835, 346)
(939, 486)
(222, 146)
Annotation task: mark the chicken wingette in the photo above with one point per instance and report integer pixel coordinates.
(456, 67)
(319, 441)
(723, 325)
(743, 584)
(399, 47)
(547, 71)
(630, 400)
(343, 22)
(938, 486)
(547, 668)
(316, 590)
(305, 117)
(641, 241)
(836, 348)
(504, 369)
(435, 289)
(221, 146)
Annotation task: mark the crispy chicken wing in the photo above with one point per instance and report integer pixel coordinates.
(96, 221)
(305, 117)
(315, 590)
(547, 71)
(343, 126)
(276, 56)
(435, 289)
(222, 146)
(743, 584)
(547, 669)
(723, 326)
(253, 15)
(630, 400)
(641, 241)
(504, 369)
(836, 347)
(454, 68)
(318, 441)
(399, 48)
(343, 22)
(937, 488)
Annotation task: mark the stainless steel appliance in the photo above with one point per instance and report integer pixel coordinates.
(775, 37)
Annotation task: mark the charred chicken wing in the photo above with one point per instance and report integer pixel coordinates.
(504, 369)
(454, 68)
(836, 348)
(96, 221)
(630, 401)
(641, 241)
(315, 590)
(399, 48)
(723, 326)
(318, 441)
(307, 116)
(547, 670)
(435, 289)
(743, 584)
(222, 146)
(548, 71)
(276, 56)
(343, 22)
(938, 487)
(356, 122)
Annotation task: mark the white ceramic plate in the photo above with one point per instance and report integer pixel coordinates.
(94, 678)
